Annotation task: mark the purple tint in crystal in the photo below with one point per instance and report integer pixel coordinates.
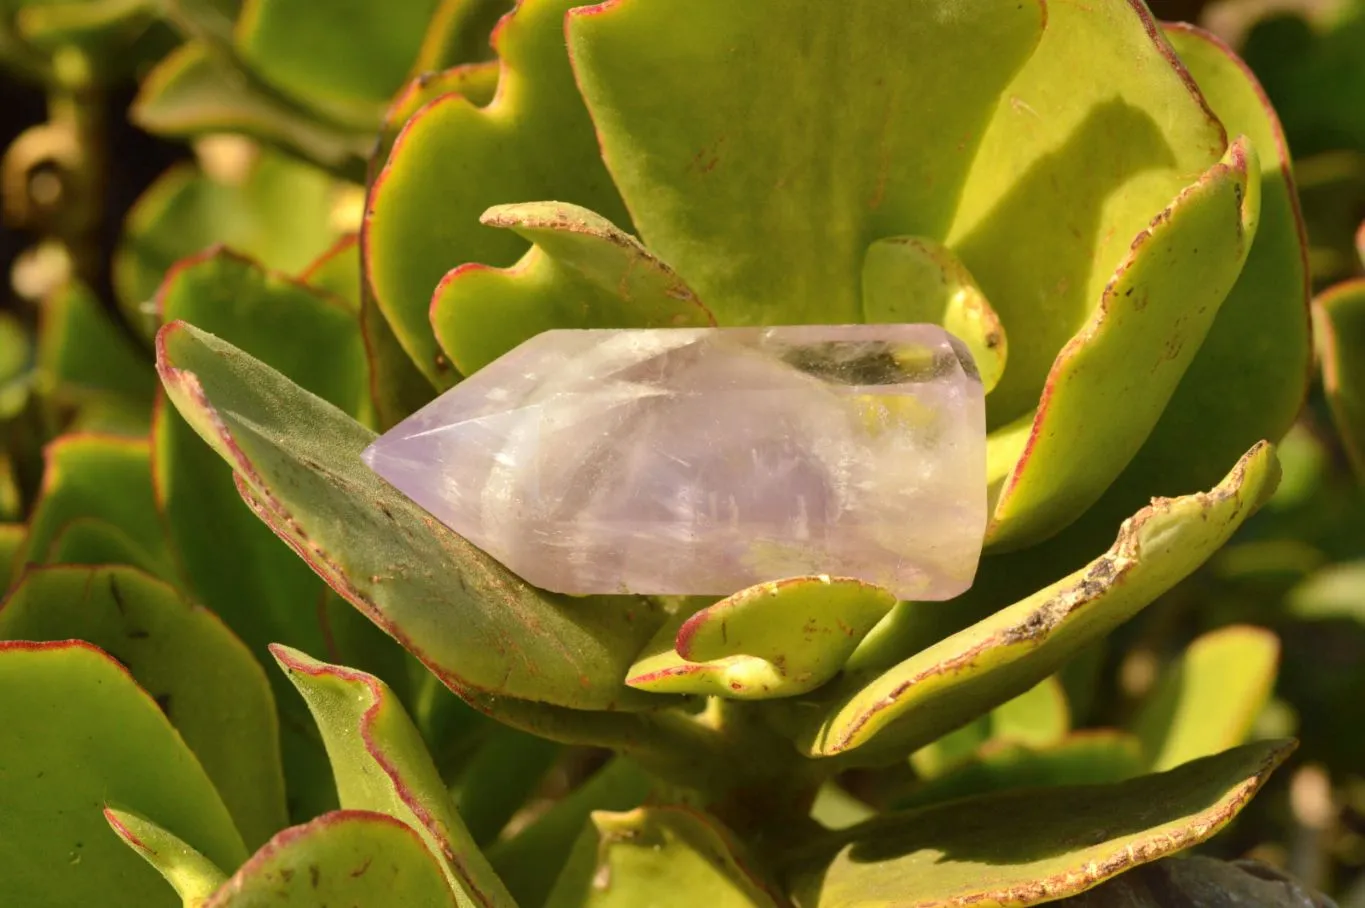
(700, 461)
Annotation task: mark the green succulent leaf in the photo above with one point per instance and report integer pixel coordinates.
(951, 682)
(336, 271)
(381, 764)
(476, 82)
(205, 681)
(534, 141)
(235, 565)
(1209, 699)
(193, 876)
(106, 478)
(659, 856)
(1037, 718)
(913, 279)
(197, 89)
(1111, 382)
(960, 853)
(1335, 591)
(582, 272)
(766, 228)
(347, 73)
(92, 541)
(459, 33)
(776, 639)
(1250, 375)
(1082, 758)
(347, 857)
(396, 388)
(267, 312)
(78, 734)
(1339, 317)
(521, 860)
(85, 361)
(274, 209)
(11, 541)
(1068, 172)
(466, 617)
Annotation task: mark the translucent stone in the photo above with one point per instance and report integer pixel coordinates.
(700, 461)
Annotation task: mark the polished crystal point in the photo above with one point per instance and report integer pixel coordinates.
(700, 461)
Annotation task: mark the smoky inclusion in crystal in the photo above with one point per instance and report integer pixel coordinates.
(699, 461)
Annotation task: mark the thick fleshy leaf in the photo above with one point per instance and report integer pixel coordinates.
(92, 541)
(776, 639)
(11, 541)
(1111, 382)
(206, 682)
(337, 271)
(1209, 699)
(193, 876)
(83, 359)
(582, 272)
(348, 71)
(197, 90)
(382, 765)
(522, 860)
(1082, 758)
(101, 477)
(230, 295)
(466, 617)
(476, 82)
(459, 33)
(534, 141)
(235, 565)
(1339, 317)
(913, 279)
(274, 209)
(1069, 172)
(766, 228)
(396, 388)
(78, 734)
(1250, 376)
(1200, 882)
(1039, 717)
(940, 688)
(1336, 591)
(348, 857)
(667, 857)
(961, 853)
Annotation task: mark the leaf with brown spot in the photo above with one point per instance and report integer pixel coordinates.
(960, 853)
(347, 857)
(201, 675)
(78, 734)
(1110, 383)
(957, 679)
(469, 619)
(381, 763)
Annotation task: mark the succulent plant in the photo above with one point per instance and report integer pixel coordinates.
(1099, 207)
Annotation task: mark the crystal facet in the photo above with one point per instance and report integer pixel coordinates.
(700, 461)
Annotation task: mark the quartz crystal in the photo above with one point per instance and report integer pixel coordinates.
(699, 461)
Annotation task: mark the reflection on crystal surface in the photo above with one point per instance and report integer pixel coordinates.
(704, 460)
